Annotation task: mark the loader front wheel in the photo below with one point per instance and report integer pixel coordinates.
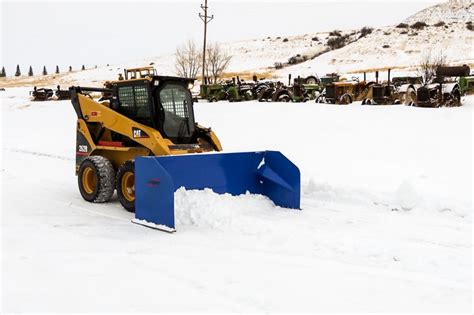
(126, 185)
(96, 179)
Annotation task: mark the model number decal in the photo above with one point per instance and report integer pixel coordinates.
(83, 148)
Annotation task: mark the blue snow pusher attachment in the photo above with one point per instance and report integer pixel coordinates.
(267, 173)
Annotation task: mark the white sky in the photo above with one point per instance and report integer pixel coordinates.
(83, 32)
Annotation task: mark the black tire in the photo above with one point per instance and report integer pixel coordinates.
(284, 98)
(262, 94)
(124, 196)
(456, 98)
(248, 95)
(320, 99)
(410, 97)
(345, 99)
(96, 179)
(260, 87)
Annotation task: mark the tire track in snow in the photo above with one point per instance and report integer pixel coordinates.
(48, 155)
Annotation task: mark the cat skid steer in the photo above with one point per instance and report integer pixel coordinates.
(143, 142)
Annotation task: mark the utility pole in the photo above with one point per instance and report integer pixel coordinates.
(206, 19)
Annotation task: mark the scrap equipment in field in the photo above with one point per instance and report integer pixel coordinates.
(41, 94)
(62, 94)
(345, 92)
(466, 84)
(299, 91)
(389, 92)
(139, 73)
(143, 142)
(443, 91)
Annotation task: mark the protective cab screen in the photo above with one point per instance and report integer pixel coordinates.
(178, 112)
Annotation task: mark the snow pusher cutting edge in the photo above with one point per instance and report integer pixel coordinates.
(268, 173)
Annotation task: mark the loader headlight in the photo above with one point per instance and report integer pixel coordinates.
(157, 82)
(190, 85)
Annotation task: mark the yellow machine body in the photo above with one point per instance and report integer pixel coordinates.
(99, 124)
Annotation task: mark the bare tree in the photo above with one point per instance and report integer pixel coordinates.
(217, 61)
(188, 60)
(429, 64)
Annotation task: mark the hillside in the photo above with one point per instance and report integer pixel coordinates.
(399, 48)
(403, 47)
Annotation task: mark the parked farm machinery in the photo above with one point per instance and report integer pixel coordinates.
(299, 91)
(399, 90)
(443, 90)
(466, 84)
(236, 90)
(62, 94)
(41, 94)
(346, 92)
(233, 90)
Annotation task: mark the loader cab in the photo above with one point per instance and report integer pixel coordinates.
(163, 103)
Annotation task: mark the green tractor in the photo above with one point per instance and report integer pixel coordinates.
(213, 92)
(298, 92)
(466, 84)
(328, 79)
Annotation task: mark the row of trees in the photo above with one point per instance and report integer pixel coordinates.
(30, 71)
(189, 61)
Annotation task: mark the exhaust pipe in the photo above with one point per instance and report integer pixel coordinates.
(388, 82)
(377, 77)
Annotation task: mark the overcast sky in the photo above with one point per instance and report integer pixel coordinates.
(83, 32)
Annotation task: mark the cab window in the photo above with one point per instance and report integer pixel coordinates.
(134, 101)
(178, 113)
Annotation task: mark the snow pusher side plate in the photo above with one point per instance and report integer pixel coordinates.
(267, 173)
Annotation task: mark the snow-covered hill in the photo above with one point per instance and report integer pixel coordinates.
(398, 48)
(402, 48)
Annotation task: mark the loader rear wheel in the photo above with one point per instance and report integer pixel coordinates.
(96, 178)
(126, 185)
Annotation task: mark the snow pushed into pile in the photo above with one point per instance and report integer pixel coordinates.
(205, 208)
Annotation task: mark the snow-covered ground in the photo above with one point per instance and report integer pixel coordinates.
(386, 223)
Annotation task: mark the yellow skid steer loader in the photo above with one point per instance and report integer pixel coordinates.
(140, 140)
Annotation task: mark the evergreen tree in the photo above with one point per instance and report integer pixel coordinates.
(30, 72)
(44, 70)
(18, 72)
(83, 68)
(57, 69)
(3, 73)
(70, 68)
